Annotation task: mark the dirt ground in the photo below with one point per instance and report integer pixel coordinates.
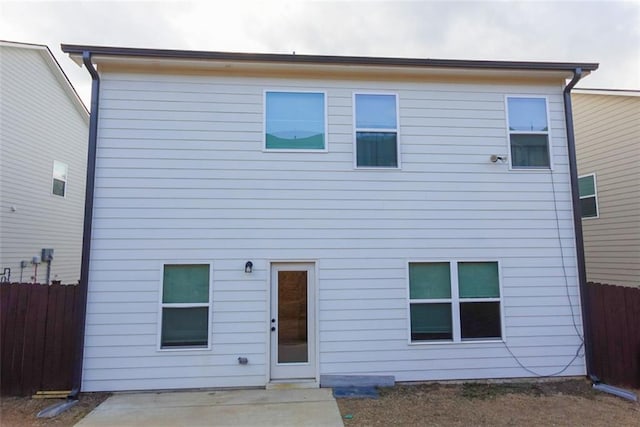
(551, 403)
(22, 411)
(557, 403)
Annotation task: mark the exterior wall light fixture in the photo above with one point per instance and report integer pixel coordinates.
(248, 267)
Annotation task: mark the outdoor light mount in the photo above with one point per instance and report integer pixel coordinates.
(248, 267)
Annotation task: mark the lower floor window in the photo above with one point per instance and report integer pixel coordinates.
(454, 301)
(185, 306)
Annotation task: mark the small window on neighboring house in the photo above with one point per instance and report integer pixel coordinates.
(528, 132)
(464, 306)
(185, 306)
(60, 171)
(295, 121)
(376, 130)
(588, 196)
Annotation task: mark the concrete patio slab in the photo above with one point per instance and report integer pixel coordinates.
(302, 407)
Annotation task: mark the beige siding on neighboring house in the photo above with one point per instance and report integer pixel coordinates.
(607, 127)
(40, 122)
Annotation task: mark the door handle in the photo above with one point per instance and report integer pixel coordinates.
(273, 328)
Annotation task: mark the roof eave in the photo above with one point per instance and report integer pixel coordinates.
(104, 52)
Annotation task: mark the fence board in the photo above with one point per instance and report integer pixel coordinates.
(615, 333)
(632, 301)
(37, 337)
(8, 340)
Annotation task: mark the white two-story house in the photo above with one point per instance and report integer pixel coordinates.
(260, 218)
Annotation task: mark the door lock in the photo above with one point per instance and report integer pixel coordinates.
(273, 328)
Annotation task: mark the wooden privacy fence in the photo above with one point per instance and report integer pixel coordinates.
(615, 334)
(37, 337)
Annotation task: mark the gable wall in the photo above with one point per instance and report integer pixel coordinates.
(181, 176)
(39, 123)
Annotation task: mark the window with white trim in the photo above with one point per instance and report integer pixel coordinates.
(60, 171)
(588, 196)
(454, 301)
(185, 307)
(295, 121)
(528, 127)
(376, 130)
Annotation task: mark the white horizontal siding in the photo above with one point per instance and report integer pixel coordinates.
(181, 176)
(39, 123)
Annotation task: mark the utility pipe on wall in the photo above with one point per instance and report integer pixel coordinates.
(81, 301)
(585, 302)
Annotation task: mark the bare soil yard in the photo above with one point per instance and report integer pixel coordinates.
(551, 403)
(22, 411)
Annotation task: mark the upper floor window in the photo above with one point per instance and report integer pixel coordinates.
(588, 196)
(528, 132)
(60, 171)
(454, 301)
(376, 130)
(295, 121)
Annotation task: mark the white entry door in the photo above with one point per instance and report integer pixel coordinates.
(293, 323)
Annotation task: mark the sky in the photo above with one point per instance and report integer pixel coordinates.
(604, 31)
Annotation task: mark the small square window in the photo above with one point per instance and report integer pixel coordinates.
(528, 133)
(588, 196)
(376, 130)
(185, 306)
(60, 171)
(295, 121)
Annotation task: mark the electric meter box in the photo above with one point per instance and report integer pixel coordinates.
(47, 255)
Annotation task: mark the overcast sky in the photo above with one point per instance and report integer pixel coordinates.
(602, 31)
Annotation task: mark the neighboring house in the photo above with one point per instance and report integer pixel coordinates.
(43, 155)
(263, 218)
(607, 127)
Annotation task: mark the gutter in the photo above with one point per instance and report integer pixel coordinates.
(81, 299)
(585, 301)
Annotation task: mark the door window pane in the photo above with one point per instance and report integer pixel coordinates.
(292, 317)
(480, 320)
(478, 280)
(431, 322)
(295, 120)
(429, 280)
(186, 283)
(184, 326)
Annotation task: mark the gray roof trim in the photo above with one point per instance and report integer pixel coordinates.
(322, 59)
